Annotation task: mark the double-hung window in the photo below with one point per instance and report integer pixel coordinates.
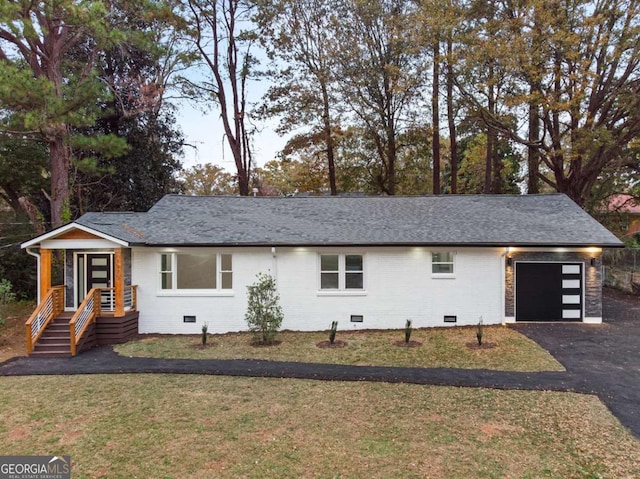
(442, 263)
(196, 271)
(341, 272)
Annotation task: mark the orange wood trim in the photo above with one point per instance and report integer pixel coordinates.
(97, 301)
(29, 343)
(45, 272)
(134, 297)
(95, 293)
(77, 234)
(118, 272)
(72, 335)
(56, 293)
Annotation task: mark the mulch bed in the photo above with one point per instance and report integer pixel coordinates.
(410, 344)
(481, 346)
(336, 344)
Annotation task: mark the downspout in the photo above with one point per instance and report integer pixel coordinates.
(503, 287)
(37, 256)
(274, 263)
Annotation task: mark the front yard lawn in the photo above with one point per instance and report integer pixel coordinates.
(441, 347)
(164, 426)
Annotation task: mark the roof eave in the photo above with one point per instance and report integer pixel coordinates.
(382, 244)
(64, 228)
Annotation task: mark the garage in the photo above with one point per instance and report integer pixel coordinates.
(548, 291)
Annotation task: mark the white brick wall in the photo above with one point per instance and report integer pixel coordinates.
(398, 286)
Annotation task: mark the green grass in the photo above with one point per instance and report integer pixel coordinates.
(441, 347)
(164, 426)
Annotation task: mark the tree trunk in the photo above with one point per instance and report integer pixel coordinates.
(533, 155)
(59, 155)
(451, 119)
(328, 136)
(488, 160)
(391, 162)
(490, 137)
(435, 106)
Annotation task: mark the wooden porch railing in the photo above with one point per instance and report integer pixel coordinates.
(108, 303)
(85, 315)
(96, 301)
(50, 307)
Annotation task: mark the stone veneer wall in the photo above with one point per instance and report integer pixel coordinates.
(592, 277)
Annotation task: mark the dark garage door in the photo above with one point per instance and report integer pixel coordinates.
(548, 291)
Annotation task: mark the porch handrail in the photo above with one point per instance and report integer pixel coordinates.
(50, 307)
(130, 297)
(84, 316)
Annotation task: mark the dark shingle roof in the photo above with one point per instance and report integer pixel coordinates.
(501, 220)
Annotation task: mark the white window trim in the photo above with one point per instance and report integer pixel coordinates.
(443, 275)
(342, 276)
(174, 291)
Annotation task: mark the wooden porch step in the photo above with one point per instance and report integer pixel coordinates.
(54, 350)
(54, 341)
(58, 327)
(48, 338)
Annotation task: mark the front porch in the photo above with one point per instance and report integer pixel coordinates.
(96, 304)
(52, 331)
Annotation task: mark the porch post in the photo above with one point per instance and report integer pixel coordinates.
(118, 272)
(45, 272)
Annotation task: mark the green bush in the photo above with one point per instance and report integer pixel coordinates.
(6, 296)
(264, 314)
(6, 292)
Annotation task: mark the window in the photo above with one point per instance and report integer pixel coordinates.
(341, 272)
(353, 271)
(442, 263)
(166, 271)
(186, 271)
(329, 271)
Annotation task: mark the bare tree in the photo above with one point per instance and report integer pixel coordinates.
(220, 34)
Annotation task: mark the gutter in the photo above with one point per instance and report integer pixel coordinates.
(37, 256)
(277, 244)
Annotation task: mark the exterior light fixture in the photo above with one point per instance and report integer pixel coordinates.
(593, 261)
(509, 261)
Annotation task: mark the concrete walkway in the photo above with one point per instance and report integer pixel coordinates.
(600, 359)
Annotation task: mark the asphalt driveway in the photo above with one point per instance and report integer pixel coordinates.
(599, 359)
(605, 357)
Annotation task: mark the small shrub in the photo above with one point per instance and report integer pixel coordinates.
(6, 296)
(479, 332)
(264, 314)
(205, 328)
(6, 293)
(407, 331)
(332, 332)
